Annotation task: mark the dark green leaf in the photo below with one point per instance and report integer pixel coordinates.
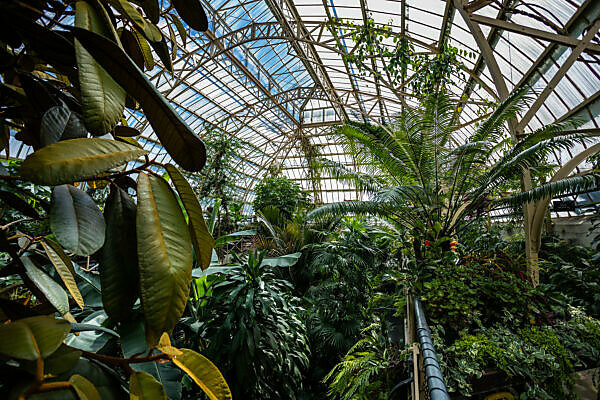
(119, 261)
(53, 292)
(76, 220)
(192, 12)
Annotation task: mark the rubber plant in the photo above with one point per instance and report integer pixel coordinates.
(96, 267)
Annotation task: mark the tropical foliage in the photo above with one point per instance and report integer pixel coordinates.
(417, 177)
(252, 328)
(96, 266)
(280, 193)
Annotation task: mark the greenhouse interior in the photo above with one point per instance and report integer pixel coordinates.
(299, 199)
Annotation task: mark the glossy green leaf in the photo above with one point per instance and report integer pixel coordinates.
(72, 160)
(53, 292)
(84, 388)
(119, 261)
(76, 220)
(33, 337)
(59, 123)
(192, 12)
(165, 255)
(184, 146)
(202, 240)
(64, 266)
(143, 386)
(103, 100)
(204, 373)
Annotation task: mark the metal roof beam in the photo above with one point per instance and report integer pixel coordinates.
(305, 50)
(559, 75)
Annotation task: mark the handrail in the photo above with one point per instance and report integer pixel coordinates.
(433, 373)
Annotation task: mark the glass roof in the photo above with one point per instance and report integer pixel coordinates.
(272, 74)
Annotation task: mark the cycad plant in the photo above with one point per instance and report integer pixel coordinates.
(416, 174)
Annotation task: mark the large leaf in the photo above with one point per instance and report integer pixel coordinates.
(204, 373)
(232, 237)
(287, 260)
(192, 12)
(201, 238)
(53, 292)
(119, 261)
(76, 220)
(165, 255)
(32, 338)
(143, 386)
(181, 143)
(85, 389)
(103, 100)
(64, 266)
(59, 123)
(72, 160)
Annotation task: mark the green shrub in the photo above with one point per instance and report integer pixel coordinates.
(281, 193)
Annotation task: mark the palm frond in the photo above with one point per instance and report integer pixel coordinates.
(363, 182)
(493, 127)
(574, 184)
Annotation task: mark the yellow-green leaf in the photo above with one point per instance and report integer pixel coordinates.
(103, 100)
(165, 256)
(76, 159)
(128, 10)
(164, 345)
(63, 265)
(182, 144)
(146, 51)
(180, 29)
(143, 386)
(201, 238)
(53, 292)
(32, 338)
(204, 373)
(85, 389)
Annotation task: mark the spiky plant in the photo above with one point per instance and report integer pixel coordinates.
(415, 173)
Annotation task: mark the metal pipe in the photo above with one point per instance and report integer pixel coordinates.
(433, 373)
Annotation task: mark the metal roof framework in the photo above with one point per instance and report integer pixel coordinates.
(272, 73)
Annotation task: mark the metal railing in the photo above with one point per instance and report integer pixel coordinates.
(436, 388)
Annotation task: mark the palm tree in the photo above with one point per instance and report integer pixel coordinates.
(416, 175)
